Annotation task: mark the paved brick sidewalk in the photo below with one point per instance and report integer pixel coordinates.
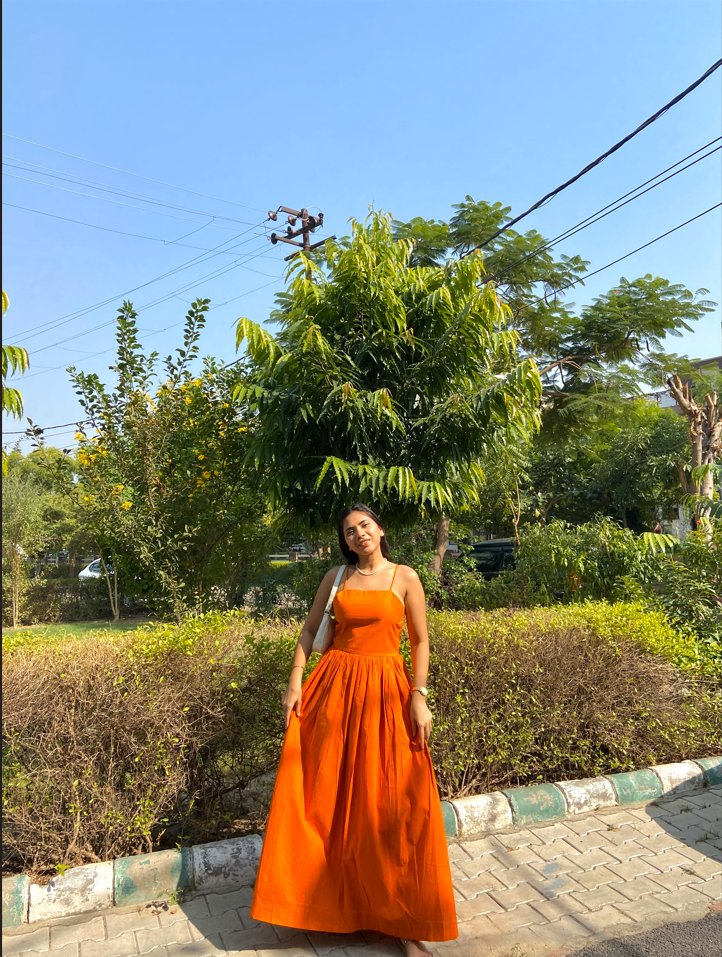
(540, 890)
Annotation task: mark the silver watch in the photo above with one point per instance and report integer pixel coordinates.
(421, 689)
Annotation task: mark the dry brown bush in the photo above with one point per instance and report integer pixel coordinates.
(116, 749)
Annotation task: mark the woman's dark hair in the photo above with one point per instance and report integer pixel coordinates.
(352, 557)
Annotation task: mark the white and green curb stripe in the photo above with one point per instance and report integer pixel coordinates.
(133, 880)
(543, 803)
(234, 863)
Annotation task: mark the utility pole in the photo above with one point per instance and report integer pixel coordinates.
(309, 224)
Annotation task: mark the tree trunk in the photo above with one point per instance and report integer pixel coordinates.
(704, 429)
(15, 596)
(441, 541)
(16, 570)
(113, 599)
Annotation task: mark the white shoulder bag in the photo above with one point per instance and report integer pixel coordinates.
(324, 635)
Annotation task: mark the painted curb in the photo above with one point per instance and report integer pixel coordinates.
(537, 804)
(680, 778)
(152, 876)
(226, 863)
(712, 768)
(79, 890)
(16, 899)
(589, 794)
(482, 812)
(631, 787)
(544, 803)
(234, 863)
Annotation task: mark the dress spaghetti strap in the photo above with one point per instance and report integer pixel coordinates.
(346, 578)
(391, 586)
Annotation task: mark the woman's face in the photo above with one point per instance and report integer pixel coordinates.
(362, 534)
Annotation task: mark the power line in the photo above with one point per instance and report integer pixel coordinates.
(600, 159)
(613, 207)
(626, 255)
(120, 232)
(80, 312)
(148, 334)
(128, 173)
(104, 199)
(569, 285)
(115, 190)
(164, 298)
(49, 428)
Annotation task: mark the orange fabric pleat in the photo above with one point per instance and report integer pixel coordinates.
(355, 837)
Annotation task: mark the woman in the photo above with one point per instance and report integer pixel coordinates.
(355, 837)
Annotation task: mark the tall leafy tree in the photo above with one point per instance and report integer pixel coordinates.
(626, 470)
(591, 359)
(162, 480)
(386, 382)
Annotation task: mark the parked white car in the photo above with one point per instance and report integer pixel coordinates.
(93, 570)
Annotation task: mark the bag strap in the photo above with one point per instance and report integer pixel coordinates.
(334, 589)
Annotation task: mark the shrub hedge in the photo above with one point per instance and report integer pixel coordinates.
(556, 693)
(145, 740)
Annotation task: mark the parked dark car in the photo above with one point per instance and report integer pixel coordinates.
(493, 557)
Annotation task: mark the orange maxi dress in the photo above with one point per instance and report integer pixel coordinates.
(355, 837)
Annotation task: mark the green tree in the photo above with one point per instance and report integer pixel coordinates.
(386, 382)
(51, 470)
(163, 483)
(24, 533)
(626, 469)
(590, 360)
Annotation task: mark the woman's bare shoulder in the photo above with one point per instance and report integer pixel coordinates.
(406, 574)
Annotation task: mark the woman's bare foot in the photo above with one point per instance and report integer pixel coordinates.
(415, 948)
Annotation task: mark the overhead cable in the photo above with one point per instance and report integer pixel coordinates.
(160, 299)
(191, 262)
(115, 202)
(600, 159)
(128, 173)
(612, 207)
(625, 256)
(147, 335)
(121, 232)
(115, 190)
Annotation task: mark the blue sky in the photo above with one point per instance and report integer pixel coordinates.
(332, 105)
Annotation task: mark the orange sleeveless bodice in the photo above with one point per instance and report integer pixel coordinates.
(368, 621)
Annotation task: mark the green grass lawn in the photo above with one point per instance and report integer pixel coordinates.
(14, 638)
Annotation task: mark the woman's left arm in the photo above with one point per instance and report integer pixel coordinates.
(419, 638)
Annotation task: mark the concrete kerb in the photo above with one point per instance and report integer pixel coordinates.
(544, 803)
(173, 874)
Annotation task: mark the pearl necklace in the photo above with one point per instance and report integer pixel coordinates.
(379, 569)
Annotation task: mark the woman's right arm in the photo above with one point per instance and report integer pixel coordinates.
(292, 695)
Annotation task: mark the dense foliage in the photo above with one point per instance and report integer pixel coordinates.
(385, 383)
(590, 358)
(163, 480)
(553, 694)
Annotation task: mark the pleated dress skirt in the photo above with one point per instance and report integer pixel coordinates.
(355, 837)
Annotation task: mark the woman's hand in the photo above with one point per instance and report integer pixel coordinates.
(292, 699)
(420, 718)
